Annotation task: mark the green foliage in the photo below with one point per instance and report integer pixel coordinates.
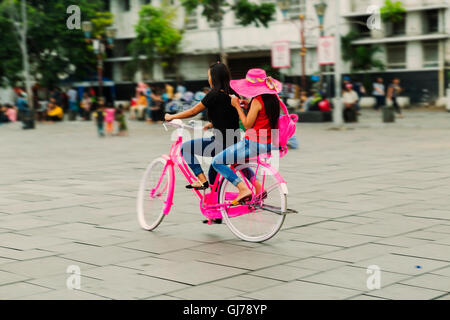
(393, 11)
(246, 11)
(361, 57)
(53, 48)
(155, 37)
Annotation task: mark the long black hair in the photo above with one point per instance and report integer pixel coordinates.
(220, 77)
(272, 106)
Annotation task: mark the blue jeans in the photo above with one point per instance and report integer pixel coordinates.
(205, 147)
(238, 153)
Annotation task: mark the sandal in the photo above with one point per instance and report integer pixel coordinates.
(262, 196)
(242, 201)
(203, 186)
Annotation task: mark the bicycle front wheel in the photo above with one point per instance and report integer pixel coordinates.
(155, 194)
(263, 218)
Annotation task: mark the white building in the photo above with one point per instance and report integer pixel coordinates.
(416, 50)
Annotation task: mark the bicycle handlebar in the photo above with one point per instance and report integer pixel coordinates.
(177, 123)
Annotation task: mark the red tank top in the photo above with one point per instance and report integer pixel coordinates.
(261, 131)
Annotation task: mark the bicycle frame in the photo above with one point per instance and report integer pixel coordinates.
(209, 202)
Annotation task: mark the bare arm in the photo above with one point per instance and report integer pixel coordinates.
(249, 120)
(188, 113)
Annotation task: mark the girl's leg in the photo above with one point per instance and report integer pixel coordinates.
(192, 148)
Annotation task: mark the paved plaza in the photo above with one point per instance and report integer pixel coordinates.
(372, 195)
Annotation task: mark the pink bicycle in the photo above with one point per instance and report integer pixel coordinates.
(256, 221)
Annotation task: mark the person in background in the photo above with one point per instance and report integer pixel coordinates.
(120, 118)
(169, 91)
(99, 116)
(22, 105)
(54, 111)
(379, 93)
(110, 113)
(72, 97)
(349, 99)
(393, 93)
(86, 104)
(358, 87)
(157, 109)
(142, 105)
(3, 116)
(11, 113)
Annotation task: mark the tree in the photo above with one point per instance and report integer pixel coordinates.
(393, 11)
(54, 51)
(246, 13)
(156, 37)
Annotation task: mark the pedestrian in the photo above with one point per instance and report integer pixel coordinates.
(99, 116)
(393, 93)
(379, 93)
(157, 108)
(72, 97)
(350, 99)
(22, 105)
(11, 112)
(86, 106)
(120, 118)
(169, 91)
(55, 113)
(110, 112)
(3, 116)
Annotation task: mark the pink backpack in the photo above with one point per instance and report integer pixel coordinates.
(286, 129)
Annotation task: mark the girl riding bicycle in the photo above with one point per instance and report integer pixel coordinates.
(222, 116)
(261, 119)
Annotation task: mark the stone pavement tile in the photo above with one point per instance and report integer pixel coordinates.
(161, 244)
(249, 259)
(430, 281)
(21, 242)
(296, 249)
(388, 228)
(358, 253)
(300, 290)
(443, 272)
(406, 292)
(206, 292)
(427, 235)
(144, 263)
(219, 247)
(431, 214)
(20, 255)
(187, 255)
(441, 228)
(65, 294)
(427, 251)
(59, 281)
(193, 272)
(402, 241)
(403, 264)
(312, 210)
(316, 264)
(101, 256)
(355, 219)
(334, 238)
(33, 197)
(20, 290)
(163, 297)
(247, 283)
(42, 267)
(352, 278)
(334, 225)
(283, 272)
(6, 260)
(24, 222)
(301, 219)
(9, 277)
(447, 297)
(366, 297)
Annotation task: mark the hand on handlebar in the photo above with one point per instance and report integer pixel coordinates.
(208, 126)
(169, 117)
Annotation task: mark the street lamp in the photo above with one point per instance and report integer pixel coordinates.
(321, 8)
(99, 44)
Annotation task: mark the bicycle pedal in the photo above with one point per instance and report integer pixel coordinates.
(290, 211)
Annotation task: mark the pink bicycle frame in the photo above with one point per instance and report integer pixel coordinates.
(209, 204)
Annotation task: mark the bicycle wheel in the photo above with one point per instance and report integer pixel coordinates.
(155, 194)
(263, 218)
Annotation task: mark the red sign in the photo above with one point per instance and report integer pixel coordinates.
(281, 55)
(326, 51)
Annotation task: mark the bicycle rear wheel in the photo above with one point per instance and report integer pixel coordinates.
(155, 194)
(263, 218)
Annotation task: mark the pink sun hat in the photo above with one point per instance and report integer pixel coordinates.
(256, 83)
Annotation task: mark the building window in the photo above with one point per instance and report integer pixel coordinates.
(431, 21)
(359, 25)
(431, 54)
(145, 2)
(396, 28)
(396, 56)
(191, 20)
(126, 5)
(294, 7)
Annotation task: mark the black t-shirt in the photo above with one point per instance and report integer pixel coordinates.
(222, 115)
